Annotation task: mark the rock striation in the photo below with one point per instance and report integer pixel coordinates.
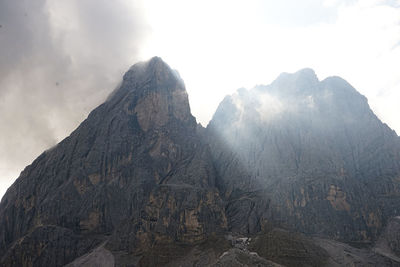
(314, 151)
(134, 174)
(139, 183)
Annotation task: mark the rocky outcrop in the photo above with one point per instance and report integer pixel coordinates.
(314, 151)
(240, 258)
(288, 248)
(98, 257)
(139, 183)
(46, 246)
(341, 254)
(388, 244)
(134, 173)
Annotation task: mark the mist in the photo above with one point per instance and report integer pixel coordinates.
(61, 59)
(58, 60)
(298, 126)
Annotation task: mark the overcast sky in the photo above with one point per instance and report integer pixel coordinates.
(60, 59)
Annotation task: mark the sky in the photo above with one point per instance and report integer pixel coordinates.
(60, 59)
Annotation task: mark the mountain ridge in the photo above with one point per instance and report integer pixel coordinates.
(315, 139)
(139, 147)
(141, 183)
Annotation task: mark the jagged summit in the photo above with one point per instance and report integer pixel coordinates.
(304, 81)
(134, 175)
(139, 183)
(155, 93)
(154, 66)
(306, 72)
(154, 71)
(316, 147)
(338, 85)
(302, 73)
(152, 63)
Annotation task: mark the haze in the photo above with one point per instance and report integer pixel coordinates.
(61, 59)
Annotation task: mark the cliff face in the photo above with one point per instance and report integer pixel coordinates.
(139, 183)
(314, 150)
(134, 173)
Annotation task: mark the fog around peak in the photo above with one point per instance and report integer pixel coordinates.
(58, 60)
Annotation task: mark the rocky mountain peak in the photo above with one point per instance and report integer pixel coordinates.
(138, 183)
(299, 136)
(156, 70)
(304, 81)
(134, 174)
(155, 93)
(341, 88)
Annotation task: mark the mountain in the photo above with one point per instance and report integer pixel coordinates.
(282, 175)
(314, 150)
(133, 173)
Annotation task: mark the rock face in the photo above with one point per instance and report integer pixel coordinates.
(239, 258)
(388, 243)
(139, 183)
(289, 249)
(133, 173)
(98, 257)
(314, 151)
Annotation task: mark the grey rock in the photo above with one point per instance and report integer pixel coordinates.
(139, 183)
(99, 257)
(311, 154)
(288, 248)
(388, 243)
(46, 246)
(134, 173)
(341, 254)
(239, 258)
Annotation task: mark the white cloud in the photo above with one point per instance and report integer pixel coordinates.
(58, 60)
(219, 47)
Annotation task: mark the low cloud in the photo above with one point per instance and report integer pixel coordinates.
(58, 60)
